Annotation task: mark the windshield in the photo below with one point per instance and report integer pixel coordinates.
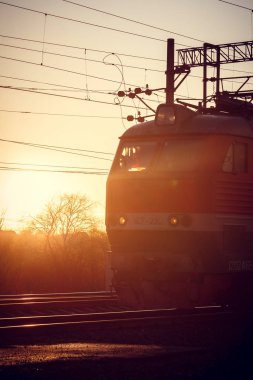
(136, 156)
(172, 155)
(180, 155)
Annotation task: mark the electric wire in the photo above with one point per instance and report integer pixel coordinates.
(39, 90)
(134, 21)
(91, 76)
(78, 58)
(81, 48)
(100, 51)
(71, 72)
(60, 114)
(61, 149)
(58, 147)
(63, 70)
(63, 87)
(84, 22)
(57, 68)
(52, 166)
(67, 97)
(105, 79)
(235, 5)
(5, 168)
(109, 28)
(47, 83)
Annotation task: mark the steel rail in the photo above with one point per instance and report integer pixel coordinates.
(55, 294)
(106, 317)
(30, 306)
(23, 299)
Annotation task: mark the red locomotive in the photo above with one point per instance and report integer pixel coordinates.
(179, 211)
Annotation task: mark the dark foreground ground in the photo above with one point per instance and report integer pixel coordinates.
(210, 347)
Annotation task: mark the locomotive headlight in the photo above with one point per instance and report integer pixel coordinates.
(173, 220)
(122, 220)
(165, 115)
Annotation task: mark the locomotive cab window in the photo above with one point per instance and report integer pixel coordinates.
(136, 156)
(236, 159)
(181, 155)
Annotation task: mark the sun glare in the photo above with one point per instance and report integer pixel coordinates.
(25, 194)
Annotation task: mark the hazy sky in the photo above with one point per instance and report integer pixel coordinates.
(70, 61)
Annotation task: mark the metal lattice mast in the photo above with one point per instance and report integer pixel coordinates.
(214, 56)
(229, 53)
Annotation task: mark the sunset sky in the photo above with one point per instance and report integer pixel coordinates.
(58, 81)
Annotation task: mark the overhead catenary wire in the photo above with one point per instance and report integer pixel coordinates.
(133, 21)
(94, 60)
(85, 22)
(79, 58)
(62, 86)
(60, 114)
(55, 146)
(57, 68)
(107, 27)
(71, 72)
(53, 166)
(111, 14)
(69, 97)
(69, 150)
(235, 5)
(82, 48)
(38, 91)
(242, 7)
(63, 70)
(99, 78)
(83, 99)
(95, 50)
(45, 83)
(50, 171)
(68, 71)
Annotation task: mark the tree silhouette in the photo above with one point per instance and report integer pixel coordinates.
(2, 219)
(61, 250)
(64, 216)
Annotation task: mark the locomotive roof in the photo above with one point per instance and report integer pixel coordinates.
(223, 124)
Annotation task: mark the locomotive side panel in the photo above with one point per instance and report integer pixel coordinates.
(234, 208)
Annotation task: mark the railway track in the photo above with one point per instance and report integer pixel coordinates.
(23, 299)
(84, 308)
(162, 326)
(25, 305)
(91, 318)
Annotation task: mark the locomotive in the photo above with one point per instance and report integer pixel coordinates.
(179, 207)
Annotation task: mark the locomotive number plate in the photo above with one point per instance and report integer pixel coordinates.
(149, 220)
(241, 266)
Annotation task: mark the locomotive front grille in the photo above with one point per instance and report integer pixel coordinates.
(234, 197)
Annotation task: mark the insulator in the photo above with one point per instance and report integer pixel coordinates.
(148, 91)
(131, 95)
(137, 90)
(140, 119)
(130, 118)
(121, 94)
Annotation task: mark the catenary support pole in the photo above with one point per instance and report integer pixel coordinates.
(170, 72)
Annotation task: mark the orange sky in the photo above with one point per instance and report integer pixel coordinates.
(88, 122)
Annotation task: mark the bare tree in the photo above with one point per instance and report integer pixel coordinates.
(64, 216)
(2, 219)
